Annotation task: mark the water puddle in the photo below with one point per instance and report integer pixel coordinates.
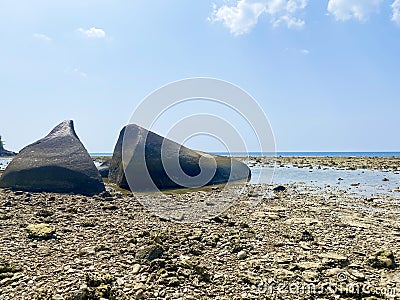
(360, 182)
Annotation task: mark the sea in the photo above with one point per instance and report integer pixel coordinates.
(320, 154)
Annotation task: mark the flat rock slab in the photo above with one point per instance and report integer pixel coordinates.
(41, 231)
(57, 163)
(153, 162)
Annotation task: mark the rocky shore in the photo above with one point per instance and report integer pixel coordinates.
(291, 243)
(340, 163)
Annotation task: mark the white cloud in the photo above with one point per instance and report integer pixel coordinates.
(305, 51)
(79, 73)
(42, 37)
(282, 11)
(396, 12)
(93, 33)
(239, 19)
(360, 10)
(242, 17)
(290, 21)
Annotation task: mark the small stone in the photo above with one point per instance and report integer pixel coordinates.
(333, 259)
(304, 246)
(382, 259)
(139, 294)
(202, 272)
(150, 252)
(285, 259)
(96, 279)
(310, 276)
(87, 251)
(308, 265)
(139, 286)
(279, 188)
(110, 207)
(272, 216)
(249, 279)
(358, 276)
(333, 272)
(67, 267)
(306, 236)
(242, 255)
(136, 269)
(283, 273)
(173, 281)
(41, 231)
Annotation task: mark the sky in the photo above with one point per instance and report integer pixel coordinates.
(326, 73)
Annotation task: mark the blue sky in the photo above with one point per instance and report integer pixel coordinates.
(327, 73)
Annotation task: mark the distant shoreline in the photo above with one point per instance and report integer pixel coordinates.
(292, 154)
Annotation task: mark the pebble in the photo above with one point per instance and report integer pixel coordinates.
(242, 255)
(310, 276)
(136, 269)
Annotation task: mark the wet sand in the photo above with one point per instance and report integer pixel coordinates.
(306, 242)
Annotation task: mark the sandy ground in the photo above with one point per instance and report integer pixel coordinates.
(300, 243)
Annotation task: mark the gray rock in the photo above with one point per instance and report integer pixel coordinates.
(136, 269)
(57, 163)
(98, 286)
(333, 259)
(279, 188)
(41, 231)
(149, 252)
(382, 259)
(151, 162)
(104, 169)
(242, 254)
(310, 276)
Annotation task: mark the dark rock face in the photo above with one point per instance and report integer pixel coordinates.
(155, 162)
(57, 163)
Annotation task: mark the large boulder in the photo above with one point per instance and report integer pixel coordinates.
(57, 163)
(154, 162)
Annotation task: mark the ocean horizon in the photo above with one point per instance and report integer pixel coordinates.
(287, 154)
